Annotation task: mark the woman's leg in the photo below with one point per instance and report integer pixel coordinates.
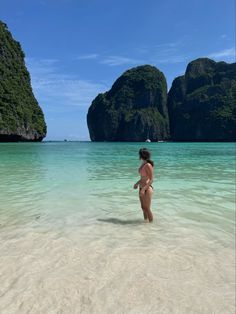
(145, 216)
(147, 203)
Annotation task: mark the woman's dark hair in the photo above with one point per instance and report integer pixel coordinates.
(145, 154)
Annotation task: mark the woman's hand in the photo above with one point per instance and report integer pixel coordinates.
(135, 186)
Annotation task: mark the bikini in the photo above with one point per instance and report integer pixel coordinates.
(143, 174)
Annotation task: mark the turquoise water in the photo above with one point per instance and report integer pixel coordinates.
(63, 184)
(70, 208)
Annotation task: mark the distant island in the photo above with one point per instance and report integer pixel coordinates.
(200, 106)
(21, 118)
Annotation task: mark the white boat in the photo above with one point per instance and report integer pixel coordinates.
(147, 140)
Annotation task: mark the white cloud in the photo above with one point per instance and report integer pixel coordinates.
(109, 60)
(88, 56)
(119, 60)
(173, 44)
(160, 53)
(53, 88)
(166, 53)
(171, 59)
(228, 54)
(162, 56)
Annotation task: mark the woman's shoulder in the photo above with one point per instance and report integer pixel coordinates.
(145, 166)
(148, 166)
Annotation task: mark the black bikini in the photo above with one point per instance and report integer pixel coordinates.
(146, 190)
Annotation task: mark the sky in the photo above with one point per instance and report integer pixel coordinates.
(76, 49)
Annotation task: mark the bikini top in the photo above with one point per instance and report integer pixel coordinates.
(142, 171)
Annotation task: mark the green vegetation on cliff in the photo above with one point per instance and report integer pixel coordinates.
(133, 110)
(202, 103)
(21, 118)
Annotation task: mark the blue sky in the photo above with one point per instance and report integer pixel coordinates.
(77, 49)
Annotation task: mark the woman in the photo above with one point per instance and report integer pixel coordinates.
(145, 187)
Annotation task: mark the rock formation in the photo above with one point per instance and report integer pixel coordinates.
(21, 118)
(134, 109)
(202, 102)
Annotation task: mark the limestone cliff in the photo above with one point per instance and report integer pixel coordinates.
(134, 109)
(21, 118)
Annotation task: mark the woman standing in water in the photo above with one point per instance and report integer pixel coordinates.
(145, 187)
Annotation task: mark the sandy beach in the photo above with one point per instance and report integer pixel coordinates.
(103, 269)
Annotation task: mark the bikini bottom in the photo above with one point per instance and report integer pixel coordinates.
(146, 190)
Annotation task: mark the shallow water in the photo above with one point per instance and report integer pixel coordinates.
(73, 240)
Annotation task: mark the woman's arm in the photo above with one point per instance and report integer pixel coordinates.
(136, 184)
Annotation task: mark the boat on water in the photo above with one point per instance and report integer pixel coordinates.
(148, 140)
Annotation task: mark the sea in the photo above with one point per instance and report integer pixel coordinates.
(73, 238)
